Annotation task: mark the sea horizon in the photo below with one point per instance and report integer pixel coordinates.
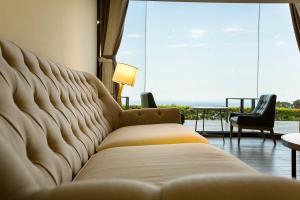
(234, 103)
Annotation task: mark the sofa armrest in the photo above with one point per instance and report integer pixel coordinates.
(118, 189)
(231, 187)
(149, 116)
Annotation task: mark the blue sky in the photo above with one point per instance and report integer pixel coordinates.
(207, 51)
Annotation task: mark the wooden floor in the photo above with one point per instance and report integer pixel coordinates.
(263, 156)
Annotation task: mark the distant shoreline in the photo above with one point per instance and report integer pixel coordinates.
(234, 103)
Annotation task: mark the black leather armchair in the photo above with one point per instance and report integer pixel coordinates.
(261, 118)
(148, 101)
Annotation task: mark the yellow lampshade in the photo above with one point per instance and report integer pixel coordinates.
(125, 74)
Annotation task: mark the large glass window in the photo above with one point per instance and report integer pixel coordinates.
(201, 52)
(279, 56)
(132, 48)
(205, 52)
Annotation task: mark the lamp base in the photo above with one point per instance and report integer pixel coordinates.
(120, 94)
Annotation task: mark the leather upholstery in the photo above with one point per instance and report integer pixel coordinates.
(52, 119)
(263, 115)
(231, 187)
(197, 187)
(112, 189)
(148, 101)
(159, 164)
(150, 135)
(149, 116)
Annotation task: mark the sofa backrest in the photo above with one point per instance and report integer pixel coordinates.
(51, 120)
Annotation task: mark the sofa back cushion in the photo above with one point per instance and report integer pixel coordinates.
(51, 120)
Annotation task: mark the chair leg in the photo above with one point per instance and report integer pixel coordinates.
(239, 134)
(263, 134)
(231, 131)
(273, 136)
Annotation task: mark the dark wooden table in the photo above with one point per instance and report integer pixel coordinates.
(292, 141)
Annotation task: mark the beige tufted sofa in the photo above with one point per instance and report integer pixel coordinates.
(62, 136)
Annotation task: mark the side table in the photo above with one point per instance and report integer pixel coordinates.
(204, 109)
(292, 141)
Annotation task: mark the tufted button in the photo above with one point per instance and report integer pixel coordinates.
(139, 113)
(53, 102)
(62, 99)
(98, 120)
(75, 120)
(82, 80)
(36, 99)
(159, 112)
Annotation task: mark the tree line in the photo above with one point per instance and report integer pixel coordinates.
(283, 104)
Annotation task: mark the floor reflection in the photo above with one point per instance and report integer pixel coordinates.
(262, 155)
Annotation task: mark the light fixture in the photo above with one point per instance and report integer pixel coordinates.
(124, 75)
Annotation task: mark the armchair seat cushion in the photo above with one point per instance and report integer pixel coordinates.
(250, 120)
(169, 133)
(235, 114)
(160, 163)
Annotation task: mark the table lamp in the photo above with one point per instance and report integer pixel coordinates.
(124, 75)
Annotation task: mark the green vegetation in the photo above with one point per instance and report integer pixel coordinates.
(296, 103)
(283, 104)
(282, 114)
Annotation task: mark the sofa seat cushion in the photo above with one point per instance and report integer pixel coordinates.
(160, 163)
(151, 134)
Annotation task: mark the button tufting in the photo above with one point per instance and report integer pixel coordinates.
(81, 125)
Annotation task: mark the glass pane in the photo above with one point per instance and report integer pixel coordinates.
(280, 57)
(280, 63)
(132, 49)
(201, 53)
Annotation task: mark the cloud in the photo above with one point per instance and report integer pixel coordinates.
(174, 46)
(281, 43)
(233, 31)
(185, 45)
(278, 41)
(135, 35)
(198, 33)
(128, 52)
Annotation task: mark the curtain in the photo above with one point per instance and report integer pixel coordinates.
(111, 17)
(295, 11)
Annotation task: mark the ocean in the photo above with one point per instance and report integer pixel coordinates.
(233, 103)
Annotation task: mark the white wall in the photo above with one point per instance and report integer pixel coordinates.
(64, 31)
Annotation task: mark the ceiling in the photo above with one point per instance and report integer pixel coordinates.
(232, 1)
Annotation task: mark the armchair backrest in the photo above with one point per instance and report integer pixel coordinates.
(147, 100)
(266, 108)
